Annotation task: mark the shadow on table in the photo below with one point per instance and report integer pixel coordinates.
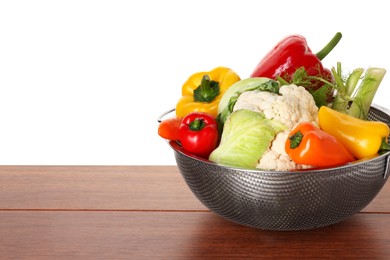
(357, 236)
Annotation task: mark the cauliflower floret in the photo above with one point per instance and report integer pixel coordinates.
(293, 106)
(276, 158)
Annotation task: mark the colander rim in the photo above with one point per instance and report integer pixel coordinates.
(177, 148)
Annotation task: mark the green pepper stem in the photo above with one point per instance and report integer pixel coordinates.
(197, 125)
(205, 89)
(296, 139)
(329, 47)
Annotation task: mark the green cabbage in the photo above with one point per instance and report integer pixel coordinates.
(246, 136)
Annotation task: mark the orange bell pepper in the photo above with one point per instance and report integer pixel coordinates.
(309, 145)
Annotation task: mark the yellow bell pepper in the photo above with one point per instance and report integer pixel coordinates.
(203, 90)
(362, 138)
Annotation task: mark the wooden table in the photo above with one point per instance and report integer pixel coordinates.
(148, 212)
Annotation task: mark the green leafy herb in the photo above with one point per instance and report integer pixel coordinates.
(385, 147)
(321, 94)
(352, 94)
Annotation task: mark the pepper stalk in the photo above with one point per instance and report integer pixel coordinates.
(207, 91)
(329, 47)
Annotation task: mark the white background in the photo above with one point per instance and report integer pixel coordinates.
(83, 82)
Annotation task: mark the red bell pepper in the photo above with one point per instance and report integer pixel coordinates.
(309, 145)
(198, 134)
(293, 53)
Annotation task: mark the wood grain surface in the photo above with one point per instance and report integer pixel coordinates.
(148, 212)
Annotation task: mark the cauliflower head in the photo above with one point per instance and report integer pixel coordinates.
(292, 106)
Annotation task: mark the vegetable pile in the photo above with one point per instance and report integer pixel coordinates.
(291, 113)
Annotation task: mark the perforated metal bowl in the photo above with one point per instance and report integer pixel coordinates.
(273, 200)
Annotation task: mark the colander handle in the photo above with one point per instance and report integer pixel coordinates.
(387, 168)
(161, 117)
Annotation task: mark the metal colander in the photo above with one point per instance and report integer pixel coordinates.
(273, 200)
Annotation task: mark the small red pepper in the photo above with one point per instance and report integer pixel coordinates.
(309, 145)
(198, 133)
(293, 53)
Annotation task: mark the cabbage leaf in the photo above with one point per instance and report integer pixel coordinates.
(246, 136)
